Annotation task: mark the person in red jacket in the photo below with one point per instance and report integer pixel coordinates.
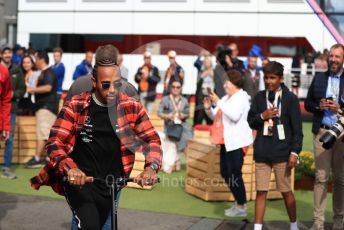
(5, 102)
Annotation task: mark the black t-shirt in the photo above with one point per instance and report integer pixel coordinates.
(97, 148)
(47, 100)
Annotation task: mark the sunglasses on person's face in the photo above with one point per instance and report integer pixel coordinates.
(106, 84)
(176, 87)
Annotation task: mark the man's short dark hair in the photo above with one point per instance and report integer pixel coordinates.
(235, 77)
(43, 55)
(105, 56)
(58, 50)
(175, 80)
(221, 56)
(274, 67)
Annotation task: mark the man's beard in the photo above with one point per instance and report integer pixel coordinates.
(335, 67)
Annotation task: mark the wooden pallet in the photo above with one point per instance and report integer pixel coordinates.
(203, 177)
(137, 169)
(156, 121)
(202, 136)
(27, 138)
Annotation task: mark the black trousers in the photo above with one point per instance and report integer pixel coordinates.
(199, 116)
(90, 204)
(230, 166)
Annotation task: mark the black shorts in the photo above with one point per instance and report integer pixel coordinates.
(90, 204)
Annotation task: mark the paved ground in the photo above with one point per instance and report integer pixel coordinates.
(32, 212)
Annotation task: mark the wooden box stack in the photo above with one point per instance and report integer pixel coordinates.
(156, 121)
(202, 136)
(203, 177)
(27, 138)
(137, 169)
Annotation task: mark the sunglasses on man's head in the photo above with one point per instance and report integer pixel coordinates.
(107, 84)
(176, 87)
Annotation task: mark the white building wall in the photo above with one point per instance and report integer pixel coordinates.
(170, 17)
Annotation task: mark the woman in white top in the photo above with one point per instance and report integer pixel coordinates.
(237, 134)
(31, 75)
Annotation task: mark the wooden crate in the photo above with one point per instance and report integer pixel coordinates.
(203, 178)
(156, 121)
(27, 138)
(137, 169)
(210, 196)
(202, 136)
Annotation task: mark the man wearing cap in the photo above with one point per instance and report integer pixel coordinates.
(18, 90)
(96, 135)
(147, 77)
(174, 72)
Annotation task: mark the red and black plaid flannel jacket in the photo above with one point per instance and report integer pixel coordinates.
(134, 131)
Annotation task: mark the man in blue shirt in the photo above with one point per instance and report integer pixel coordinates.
(324, 99)
(85, 67)
(59, 69)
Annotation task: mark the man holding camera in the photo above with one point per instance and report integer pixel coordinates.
(324, 101)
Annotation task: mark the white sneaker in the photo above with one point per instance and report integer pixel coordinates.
(8, 174)
(233, 207)
(230, 209)
(236, 212)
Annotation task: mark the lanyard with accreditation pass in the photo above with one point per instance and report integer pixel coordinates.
(268, 125)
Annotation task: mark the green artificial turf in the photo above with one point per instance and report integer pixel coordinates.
(169, 196)
(307, 137)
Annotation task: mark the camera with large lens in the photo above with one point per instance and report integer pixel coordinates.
(330, 136)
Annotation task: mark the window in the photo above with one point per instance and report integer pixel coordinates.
(282, 50)
(162, 1)
(224, 1)
(334, 6)
(73, 43)
(46, 1)
(285, 1)
(103, 1)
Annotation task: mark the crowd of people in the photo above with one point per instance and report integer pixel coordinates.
(104, 113)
